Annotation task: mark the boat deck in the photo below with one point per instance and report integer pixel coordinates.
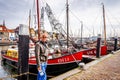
(107, 67)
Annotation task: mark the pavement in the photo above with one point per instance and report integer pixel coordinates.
(104, 68)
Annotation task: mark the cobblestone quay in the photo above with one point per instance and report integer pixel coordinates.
(108, 69)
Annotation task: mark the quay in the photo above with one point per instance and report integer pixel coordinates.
(7, 43)
(105, 68)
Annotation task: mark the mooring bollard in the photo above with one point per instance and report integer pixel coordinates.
(23, 47)
(98, 51)
(115, 44)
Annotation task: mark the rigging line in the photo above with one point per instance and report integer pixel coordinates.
(64, 7)
(33, 7)
(101, 28)
(65, 28)
(63, 23)
(11, 65)
(61, 12)
(96, 18)
(23, 18)
(114, 17)
(43, 2)
(109, 20)
(33, 13)
(115, 25)
(73, 47)
(47, 2)
(77, 62)
(13, 76)
(71, 52)
(70, 3)
(80, 21)
(111, 25)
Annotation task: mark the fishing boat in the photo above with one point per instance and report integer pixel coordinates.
(64, 62)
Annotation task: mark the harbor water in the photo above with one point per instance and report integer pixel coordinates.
(4, 73)
(8, 71)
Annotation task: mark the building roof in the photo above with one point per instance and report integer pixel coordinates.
(4, 29)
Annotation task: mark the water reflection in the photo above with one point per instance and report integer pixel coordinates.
(10, 70)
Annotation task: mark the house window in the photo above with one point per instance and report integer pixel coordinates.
(1, 33)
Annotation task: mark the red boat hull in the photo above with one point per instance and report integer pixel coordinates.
(67, 58)
(93, 51)
(60, 64)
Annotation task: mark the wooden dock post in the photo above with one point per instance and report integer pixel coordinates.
(115, 44)
(23, 47)
(98, 51)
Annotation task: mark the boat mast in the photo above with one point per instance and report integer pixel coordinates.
(67, 17)
(104, 24)
(42, 18)
(81, 31)
(29, 22)
(38, 19)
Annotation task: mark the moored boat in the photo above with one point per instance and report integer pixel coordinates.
(61, 63)
(65, 61)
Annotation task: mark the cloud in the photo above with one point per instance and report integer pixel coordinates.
(15, 12)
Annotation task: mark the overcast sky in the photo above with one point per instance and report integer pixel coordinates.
(16, 12)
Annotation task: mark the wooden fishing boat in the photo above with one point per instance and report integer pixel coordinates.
(62, 63)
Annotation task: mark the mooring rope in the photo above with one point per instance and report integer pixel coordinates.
(16, 75)
(11, 65)
(33, 74)
(13, 76)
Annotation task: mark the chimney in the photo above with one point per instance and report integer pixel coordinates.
(3, 22)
